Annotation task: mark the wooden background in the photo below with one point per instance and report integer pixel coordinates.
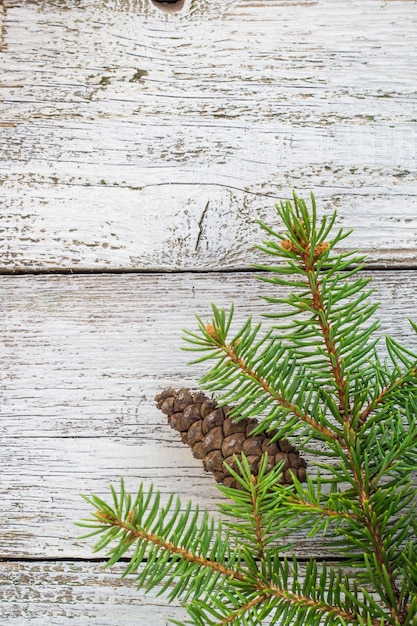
(138, 149)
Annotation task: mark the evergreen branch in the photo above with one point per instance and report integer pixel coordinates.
(394, 451)
(327, 332)
(389, 590)
(335, 328)
(320, 510)
(256, 510)
(385, 394)
(261, 599)
(125, 522)
(315, 374)
(289, 604)
(229, 351)
(299, 600)
(133, 534)
(276, 396)
(257, 499)
(301, 242)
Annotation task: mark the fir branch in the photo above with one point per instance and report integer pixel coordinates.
(315, 374)
(385, 394)
(321, 607)
(320, 510)
(389, 590)
(230, 354)
(130, 535)
(119, 524)
(257, 506)
(273, 393)
(322, 317)
(300, 243)
(261, 599)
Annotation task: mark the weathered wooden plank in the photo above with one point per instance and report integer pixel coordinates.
(43, 479)
(137, 139)
(81, 360)
(1, 25)
(61, 593)
(85, 355)
(64, 593)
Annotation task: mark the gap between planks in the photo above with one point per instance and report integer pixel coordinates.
(371, 267)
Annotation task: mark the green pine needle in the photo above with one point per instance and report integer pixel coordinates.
(319, 375)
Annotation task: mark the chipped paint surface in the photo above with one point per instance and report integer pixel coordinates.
(122, 123)
(72, 595)
(82, 359)
(135, 136)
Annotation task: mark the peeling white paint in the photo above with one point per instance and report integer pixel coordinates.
(132, 138)
(125, 121)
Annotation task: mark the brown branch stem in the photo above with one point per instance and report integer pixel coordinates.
(258, 526)
(399, 382)
(280, 399)
(246, 607)
(374, 530)
(323, 320)
(265, 590)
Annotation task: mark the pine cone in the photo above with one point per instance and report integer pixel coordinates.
(215, 438)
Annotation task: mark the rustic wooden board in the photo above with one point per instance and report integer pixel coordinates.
(134, 139)
(85, 355)
(61, 593)
(64, 593)
(81, 360)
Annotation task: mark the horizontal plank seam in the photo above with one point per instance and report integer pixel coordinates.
(63, 559)
(247, 269)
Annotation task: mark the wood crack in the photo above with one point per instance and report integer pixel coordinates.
(200, 226)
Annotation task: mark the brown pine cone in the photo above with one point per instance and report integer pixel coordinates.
(215, 438)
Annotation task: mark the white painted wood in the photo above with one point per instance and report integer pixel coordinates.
(82, 593)
(81, 360)
(82, 355)
(133, 138)
(1, 25)
(64, 593)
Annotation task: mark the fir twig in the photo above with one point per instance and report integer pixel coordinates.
(269, 390)
(167, 562)
(315, 374)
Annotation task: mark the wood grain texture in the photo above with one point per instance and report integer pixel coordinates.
(81, 361)
(64, 593)
(82, 593)
(134, 139)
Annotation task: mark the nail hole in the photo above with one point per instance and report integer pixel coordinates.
(169, 6)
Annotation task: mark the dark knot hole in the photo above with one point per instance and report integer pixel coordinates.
(169, 6)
